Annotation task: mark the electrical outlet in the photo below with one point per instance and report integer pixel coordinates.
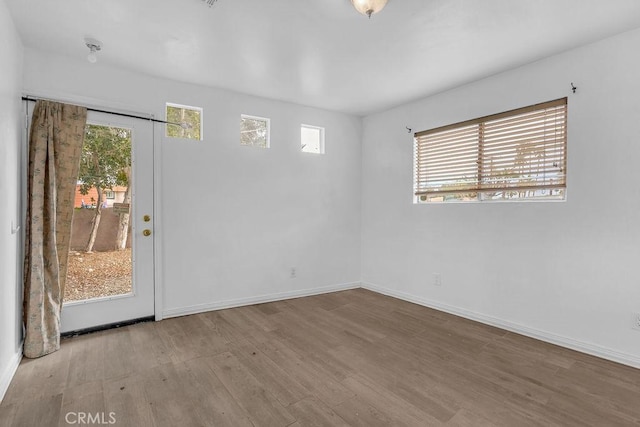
(292, 275)
(636, 321)
(437, 279)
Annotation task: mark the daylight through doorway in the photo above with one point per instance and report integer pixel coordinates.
(100, 257)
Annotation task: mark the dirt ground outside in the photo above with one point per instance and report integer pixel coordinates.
(98, 274)
(104, 272)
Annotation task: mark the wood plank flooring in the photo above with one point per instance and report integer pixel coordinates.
(352, 358)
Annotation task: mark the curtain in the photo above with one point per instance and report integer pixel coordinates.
(55, 146)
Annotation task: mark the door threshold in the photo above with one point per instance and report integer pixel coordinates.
(99, 328)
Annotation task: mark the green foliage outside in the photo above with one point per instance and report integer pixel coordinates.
(188, 123)
(105, 163)
(106, 154)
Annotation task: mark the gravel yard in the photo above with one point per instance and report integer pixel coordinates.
(98, 274)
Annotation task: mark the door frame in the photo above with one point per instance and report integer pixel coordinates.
(96, 313)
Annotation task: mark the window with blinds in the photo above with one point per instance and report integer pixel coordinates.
(519, 154)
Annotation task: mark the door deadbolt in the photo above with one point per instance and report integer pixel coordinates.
(146, 232)
(146, 218)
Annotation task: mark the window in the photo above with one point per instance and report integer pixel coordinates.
(254, 131)
(519, 154)
(110, 194)
(312, 139)
(184, 122)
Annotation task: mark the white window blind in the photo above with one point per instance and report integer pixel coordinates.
(519, 154)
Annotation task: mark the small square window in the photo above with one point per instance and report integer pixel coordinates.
(254, 131)
(110, 194)
(312, 139)
(184, 122)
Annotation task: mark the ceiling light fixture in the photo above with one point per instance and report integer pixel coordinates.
(369, 7)
(94, 46)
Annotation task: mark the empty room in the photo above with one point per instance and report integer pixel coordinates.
(319, 213)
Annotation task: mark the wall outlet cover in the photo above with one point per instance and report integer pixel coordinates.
(437, 279)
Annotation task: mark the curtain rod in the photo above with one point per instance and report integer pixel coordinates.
(115, 113)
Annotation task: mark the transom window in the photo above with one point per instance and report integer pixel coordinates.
(184, 122)
(311, 139)
(254, 131)
(519, 154)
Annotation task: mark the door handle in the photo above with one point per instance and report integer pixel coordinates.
(146, 232)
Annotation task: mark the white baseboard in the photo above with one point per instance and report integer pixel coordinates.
(220, 305)
(594, 350)
(8, 373)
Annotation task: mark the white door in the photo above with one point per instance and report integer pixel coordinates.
(91, 298)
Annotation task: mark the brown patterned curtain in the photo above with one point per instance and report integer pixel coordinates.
(55, 146)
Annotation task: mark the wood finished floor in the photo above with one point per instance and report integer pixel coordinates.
(351, 358)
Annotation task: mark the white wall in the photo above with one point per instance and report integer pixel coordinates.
(566, 272)
(234, 220)
(10, 213)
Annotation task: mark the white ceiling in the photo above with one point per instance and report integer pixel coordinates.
(321, 53)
